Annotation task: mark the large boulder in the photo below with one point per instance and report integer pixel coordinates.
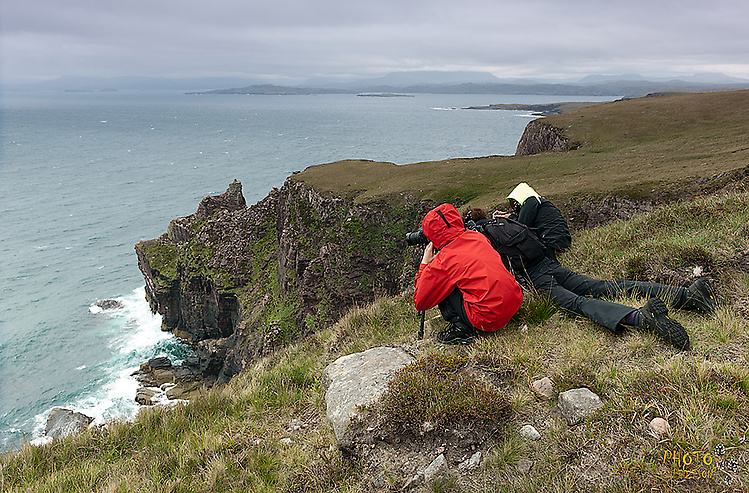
(359, 379)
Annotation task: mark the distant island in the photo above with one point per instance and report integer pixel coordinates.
(537, 109)
(383, 95)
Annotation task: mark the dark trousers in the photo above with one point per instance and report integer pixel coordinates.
(577, 294)
(453, 309)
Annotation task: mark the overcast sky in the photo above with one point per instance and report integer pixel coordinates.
(288, 41)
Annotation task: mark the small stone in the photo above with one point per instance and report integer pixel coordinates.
(296, 424)
(660, 426)
(576, 404)
(426, 427)
(529, 432)
(285, 441)
(436, 468)
(544, 387)
(524, 466)
(470, 464)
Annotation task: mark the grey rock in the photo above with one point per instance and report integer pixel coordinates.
(144, 396)
(524, 466)
(160, 363)
(576, 404)
(544, 387)
(437, 468)
(63, 422)
(109, 304)
(185, 390)
(529, 432)
(286, 441)
(296, 424)
(358, 380)
(469, 464)
(413, 482)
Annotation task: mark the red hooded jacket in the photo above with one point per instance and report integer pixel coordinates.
(466, 260)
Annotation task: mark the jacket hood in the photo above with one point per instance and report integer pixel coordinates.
(442, 225)
(522, 192)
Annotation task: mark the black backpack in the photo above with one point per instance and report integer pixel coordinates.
(517, 244)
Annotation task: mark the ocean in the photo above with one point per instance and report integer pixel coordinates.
(85, 176)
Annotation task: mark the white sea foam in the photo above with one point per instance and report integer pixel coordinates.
(41, 441)
(138, 332)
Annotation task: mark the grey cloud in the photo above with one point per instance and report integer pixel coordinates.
(294, 38)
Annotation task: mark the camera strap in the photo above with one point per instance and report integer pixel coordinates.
(420, 335)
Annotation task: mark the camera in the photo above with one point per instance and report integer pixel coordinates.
(417, 238)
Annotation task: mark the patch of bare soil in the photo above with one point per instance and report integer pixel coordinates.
(392, 457)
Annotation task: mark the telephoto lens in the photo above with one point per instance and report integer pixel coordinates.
(417, 238)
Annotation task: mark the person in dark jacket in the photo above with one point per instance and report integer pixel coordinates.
(464, 275)
(536, 212)
(579, 294)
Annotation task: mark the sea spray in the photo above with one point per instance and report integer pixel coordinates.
(135, 336)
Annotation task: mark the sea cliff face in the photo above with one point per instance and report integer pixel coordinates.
(237, 281)
(540, 136)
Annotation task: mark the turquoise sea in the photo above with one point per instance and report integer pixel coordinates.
(85, 176)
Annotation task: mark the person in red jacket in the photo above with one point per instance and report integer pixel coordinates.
(465, 276)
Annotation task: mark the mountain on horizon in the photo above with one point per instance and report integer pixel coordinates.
(699, 78)
(415, 81)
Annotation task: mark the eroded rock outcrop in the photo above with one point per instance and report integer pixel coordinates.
(236, 281)
(540, 136)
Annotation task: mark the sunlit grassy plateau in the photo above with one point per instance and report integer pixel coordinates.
(660, 147)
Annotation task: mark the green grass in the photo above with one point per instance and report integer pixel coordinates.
(642, 148)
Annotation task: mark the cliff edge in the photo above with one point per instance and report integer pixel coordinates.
(236, 281)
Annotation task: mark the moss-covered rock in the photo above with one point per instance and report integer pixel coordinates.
(246, 280)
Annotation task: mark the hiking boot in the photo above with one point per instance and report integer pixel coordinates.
(456, 333)
(700, 297)
(654, 318)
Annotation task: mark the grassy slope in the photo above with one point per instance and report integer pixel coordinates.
(628, 147)
(229, 440)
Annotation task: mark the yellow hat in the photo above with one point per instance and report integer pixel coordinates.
(521, 193)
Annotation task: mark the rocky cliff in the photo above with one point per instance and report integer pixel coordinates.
(540, 136)
(237, 281)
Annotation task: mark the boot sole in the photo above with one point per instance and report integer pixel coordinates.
(666, 327)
